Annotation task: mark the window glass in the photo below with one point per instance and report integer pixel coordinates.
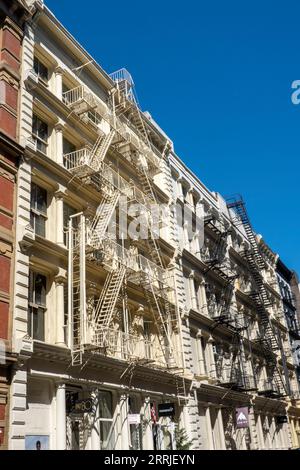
(37, 304)
(106, 420)
(38, 212)
(40, 69)
(105, 405)
(68, 147)
(40, 133)
(40, 289)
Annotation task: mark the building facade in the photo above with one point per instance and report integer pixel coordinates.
(226, 298)
(12, 17)
(289, 291)
(129, 322)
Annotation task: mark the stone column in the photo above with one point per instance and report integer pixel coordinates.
(200, 353)
(260, 433)
(221, 429)
(124, 422)
(61, 428)
(60, 282)
(192, 290)
(148, 437)
(58, 82)
(59, 143)
(59, 197)
(209, 429)
(211, 365)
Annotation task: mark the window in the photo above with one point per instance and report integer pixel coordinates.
(65, 90)
(40, 69)
(136, 435)
(195, 355)
(204, 352)
(40, 133)
(185, 193)
(38, 209)
(37, 306)
(68, 211)
(68, 147)
(106, 420)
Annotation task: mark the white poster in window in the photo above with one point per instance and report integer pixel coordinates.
(134, 419)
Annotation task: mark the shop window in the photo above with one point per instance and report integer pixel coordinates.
(38, 209)
(136, 436)
(106, 420)
(40, 69)
(37, 306)
(40, 134)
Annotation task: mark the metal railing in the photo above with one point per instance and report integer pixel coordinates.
(268, 386)
(120, 75)
(116, 343)
(75, 95)
(160, 277)
(80, 94)
(235, 379)
(76, 159)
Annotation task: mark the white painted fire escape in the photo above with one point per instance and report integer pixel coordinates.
(87, 164)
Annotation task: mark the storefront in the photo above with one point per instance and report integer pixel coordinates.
(73, 416)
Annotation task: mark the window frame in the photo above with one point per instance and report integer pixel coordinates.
(36, 213)
(38, 67)
(41, 143)
(36, 309)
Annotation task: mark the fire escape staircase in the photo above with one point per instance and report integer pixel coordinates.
(107, 301)
(268, 340)
(102, 218)
(100, 150)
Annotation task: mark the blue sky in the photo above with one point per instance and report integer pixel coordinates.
(217, 78)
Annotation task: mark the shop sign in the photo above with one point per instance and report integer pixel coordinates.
(134, 418)
(83, 406)
(242, 417)
(166, 409)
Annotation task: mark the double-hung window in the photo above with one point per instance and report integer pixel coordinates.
(37, 306)
(40, 69)
(38, 209)
(106, 412)
(40, 133)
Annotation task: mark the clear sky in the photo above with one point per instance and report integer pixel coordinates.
(216, 76)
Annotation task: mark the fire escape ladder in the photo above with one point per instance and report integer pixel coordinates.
(268, 340)
(107, 301)
(100, 150)
(76, 287)
(161, 316)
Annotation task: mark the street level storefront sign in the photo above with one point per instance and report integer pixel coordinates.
(242, 417)
(166, 409)
(83, 406)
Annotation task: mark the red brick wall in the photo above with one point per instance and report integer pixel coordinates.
(11, 35)
(4, 313)
(10, 51)
(6, 193)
